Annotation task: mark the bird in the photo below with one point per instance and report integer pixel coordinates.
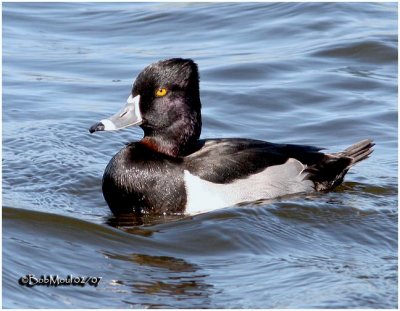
(172, 171)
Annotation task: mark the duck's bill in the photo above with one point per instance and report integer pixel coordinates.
(128, 116)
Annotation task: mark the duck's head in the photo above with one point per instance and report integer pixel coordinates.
(165, 103)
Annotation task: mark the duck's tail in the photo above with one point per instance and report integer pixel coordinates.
(357, 152)
(330, 172)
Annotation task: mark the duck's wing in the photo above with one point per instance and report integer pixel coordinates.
(225, 160)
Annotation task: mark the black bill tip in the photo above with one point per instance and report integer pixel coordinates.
(96, 127)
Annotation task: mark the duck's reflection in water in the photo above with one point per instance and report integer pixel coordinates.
(152, 278)
(127, 221)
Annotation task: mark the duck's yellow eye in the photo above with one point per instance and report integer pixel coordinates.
(161, 92)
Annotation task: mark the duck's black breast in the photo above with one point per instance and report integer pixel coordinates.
(138, 179)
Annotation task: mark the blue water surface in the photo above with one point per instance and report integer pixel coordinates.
(323, 74)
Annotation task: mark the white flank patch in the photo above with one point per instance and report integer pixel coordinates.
(274, 181)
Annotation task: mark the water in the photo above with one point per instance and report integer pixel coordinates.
(320, 73)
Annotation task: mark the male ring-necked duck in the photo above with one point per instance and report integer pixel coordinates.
(171, 171)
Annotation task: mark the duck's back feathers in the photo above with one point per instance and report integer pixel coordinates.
(224, 172)
(225, 160)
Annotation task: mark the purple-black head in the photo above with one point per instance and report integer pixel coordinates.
(165, 103)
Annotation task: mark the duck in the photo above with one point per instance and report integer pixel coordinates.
(172, 171)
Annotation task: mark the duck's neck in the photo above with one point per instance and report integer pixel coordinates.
(176, 139)
(160, 145)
